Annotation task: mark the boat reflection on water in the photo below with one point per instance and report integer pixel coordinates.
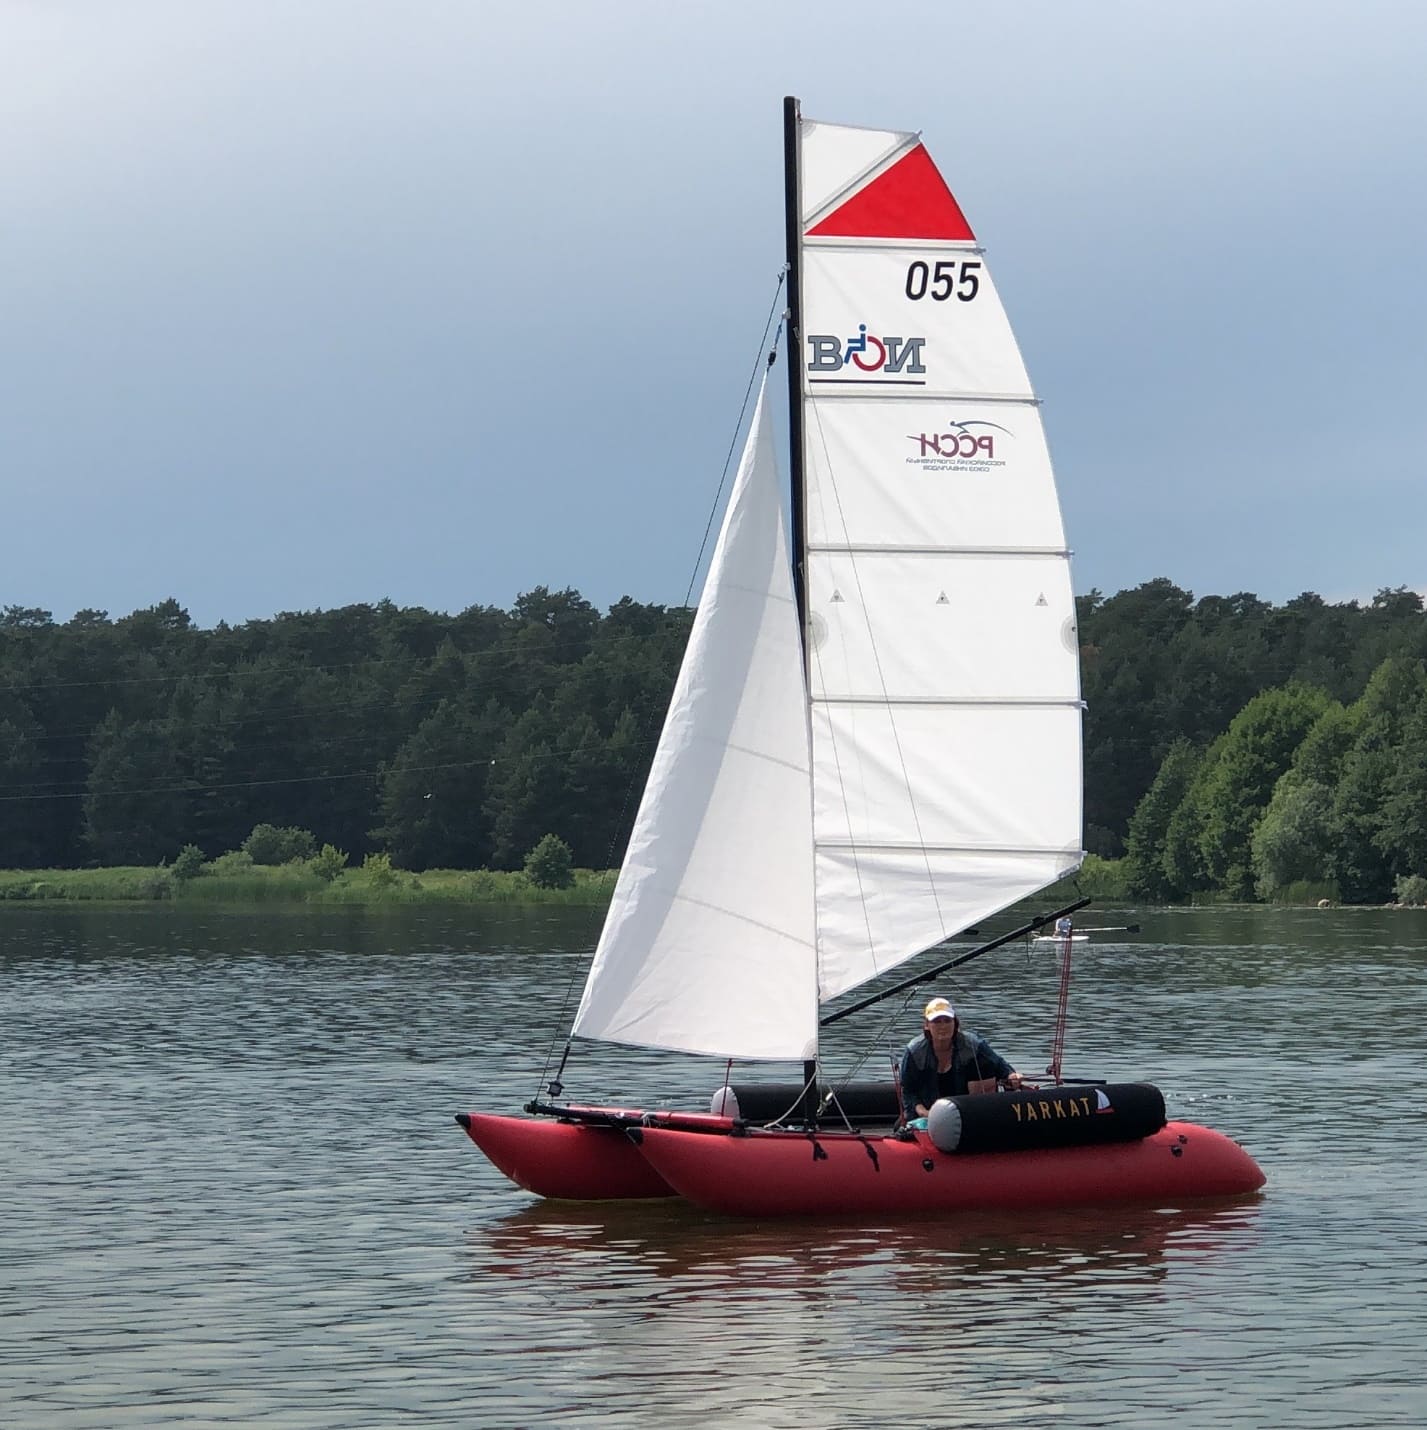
(624, 1241)
(656, 1308)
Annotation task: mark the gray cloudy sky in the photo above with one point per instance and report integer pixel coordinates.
(310, 303)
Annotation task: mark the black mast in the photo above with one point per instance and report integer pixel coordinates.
(792, 228)
(793, 233)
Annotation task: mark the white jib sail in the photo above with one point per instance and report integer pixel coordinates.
(943, 668)
(708, 946)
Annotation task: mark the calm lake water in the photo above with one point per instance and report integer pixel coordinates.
(232, 1193)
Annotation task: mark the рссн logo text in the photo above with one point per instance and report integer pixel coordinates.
(959, 441)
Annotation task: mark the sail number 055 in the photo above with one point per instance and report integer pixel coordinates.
(939, 281)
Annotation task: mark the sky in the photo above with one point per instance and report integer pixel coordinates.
(441, 300)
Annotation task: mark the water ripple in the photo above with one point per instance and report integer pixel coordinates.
(232, 1195)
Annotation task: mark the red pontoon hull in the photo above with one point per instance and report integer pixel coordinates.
(772, 1174)
(585, 1160)
(580, 1161)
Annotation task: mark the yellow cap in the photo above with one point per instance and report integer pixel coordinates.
(938, 1008)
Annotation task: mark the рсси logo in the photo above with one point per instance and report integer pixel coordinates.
(962, 446)
(865, 358)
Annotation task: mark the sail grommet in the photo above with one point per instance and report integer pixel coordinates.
(928, 1165)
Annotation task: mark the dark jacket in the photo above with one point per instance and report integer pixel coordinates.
(972, 1058)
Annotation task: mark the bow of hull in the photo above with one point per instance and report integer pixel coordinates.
(576, 1161)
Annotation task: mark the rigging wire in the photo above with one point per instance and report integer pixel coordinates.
(250, 667)
(1062, 1006)
(758, 363)
(260, 722)
(881, 1037)
(768, 324)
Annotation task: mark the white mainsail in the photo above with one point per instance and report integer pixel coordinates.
(708, 945)
(800, 834)
(943, 669)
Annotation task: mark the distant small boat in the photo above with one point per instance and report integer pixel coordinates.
(1082, 935)
(873, 744)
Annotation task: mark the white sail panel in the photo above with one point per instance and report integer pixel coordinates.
(976, 473)
(708, 946)
(864, 335)
(966, 777)
(836, 156)
(939, 818)
(923, 626)
(895, 901)
(943, 655)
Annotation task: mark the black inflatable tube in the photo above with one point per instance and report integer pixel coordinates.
(859, 1101)
(1062, 1116)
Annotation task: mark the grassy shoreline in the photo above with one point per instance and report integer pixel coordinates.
(295, 884)
(226, 882)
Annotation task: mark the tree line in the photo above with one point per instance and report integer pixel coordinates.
(1248, 749)
(1230, 743)
(444, 741)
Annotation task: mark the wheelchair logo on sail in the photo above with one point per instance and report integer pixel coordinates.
(973, 446)
(866, 359)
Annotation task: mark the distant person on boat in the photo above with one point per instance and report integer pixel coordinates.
(1063, 926)
(947, 1061)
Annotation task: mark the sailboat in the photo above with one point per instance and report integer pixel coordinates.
(874, 743)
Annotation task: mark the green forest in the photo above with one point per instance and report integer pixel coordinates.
(1233, 748)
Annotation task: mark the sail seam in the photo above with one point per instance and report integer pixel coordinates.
(762, 757)
(868, 846)
(1067, 702)
(853, 241)
(862, 548)
(1027, 399)
(680, 898)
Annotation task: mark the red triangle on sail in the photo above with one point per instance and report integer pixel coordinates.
(909, 200)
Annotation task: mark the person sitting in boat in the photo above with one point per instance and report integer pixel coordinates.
(1063, 926)
(947, 1060)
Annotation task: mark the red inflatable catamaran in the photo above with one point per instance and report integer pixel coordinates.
(873, 744)
(732, 1165)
